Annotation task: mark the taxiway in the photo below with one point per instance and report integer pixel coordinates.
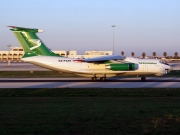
(152, 82)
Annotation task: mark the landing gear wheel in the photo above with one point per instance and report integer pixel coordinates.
(143, 78)
(103, 78)
(166, 71)
(94, 78)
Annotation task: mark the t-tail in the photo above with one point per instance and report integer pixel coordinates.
(30, 42)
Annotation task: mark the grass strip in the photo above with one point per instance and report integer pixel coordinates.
(89, 92)
(90, 111)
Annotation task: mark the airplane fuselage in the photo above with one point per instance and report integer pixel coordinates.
(142, 67)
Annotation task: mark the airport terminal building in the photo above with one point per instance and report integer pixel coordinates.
(16, 53)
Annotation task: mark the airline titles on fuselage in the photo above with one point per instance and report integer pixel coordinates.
(147, 63)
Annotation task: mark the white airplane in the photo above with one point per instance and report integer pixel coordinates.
(99, 67)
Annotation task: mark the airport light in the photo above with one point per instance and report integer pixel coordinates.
(113, 26)
(9, 46)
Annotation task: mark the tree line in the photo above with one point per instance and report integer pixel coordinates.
(154, 55)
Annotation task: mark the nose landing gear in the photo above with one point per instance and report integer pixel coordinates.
(166, 71)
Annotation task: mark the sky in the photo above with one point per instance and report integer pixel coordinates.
(86, 25)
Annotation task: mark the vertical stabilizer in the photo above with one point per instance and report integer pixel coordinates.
(30, 42)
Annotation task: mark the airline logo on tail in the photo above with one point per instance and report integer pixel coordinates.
(37, 42)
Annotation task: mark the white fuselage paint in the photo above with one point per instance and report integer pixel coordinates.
(70, 65)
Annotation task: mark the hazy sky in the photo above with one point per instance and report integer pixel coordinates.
(141, 25)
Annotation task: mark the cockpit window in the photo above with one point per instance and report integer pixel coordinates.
(163, 62)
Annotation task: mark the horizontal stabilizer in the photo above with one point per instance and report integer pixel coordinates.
(14, 28)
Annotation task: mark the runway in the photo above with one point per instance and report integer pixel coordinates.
(151, 82)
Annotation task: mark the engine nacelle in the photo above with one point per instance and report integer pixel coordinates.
(121, 67)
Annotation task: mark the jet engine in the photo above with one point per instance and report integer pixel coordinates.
(121, 66)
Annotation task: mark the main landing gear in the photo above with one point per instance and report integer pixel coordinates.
(94, 78)
(143, 78)
(101, 78)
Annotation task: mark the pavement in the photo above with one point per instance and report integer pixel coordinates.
(152, 82)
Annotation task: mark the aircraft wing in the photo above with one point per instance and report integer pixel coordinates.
(104, 58)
